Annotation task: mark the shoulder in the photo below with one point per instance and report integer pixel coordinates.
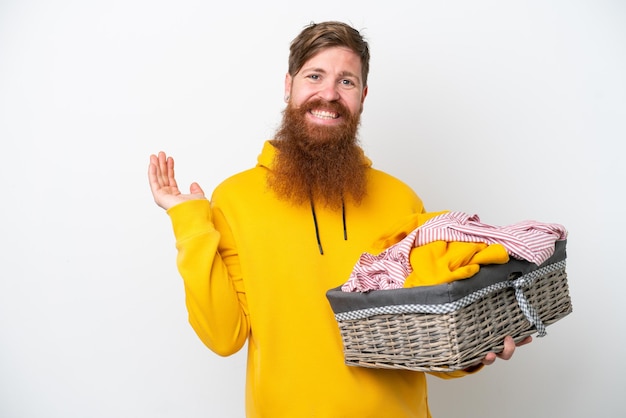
(381, 183)
(379, 177)
(244, 178)
(251, 179)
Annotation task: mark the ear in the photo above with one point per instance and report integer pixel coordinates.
(363, 94)
(288, 81)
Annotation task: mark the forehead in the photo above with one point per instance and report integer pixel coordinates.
(335, 59)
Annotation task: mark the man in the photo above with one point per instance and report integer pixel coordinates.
(258, 258)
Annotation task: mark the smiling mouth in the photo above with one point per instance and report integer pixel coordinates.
(324, 114)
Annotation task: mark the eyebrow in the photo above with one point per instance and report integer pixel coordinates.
(349, 74)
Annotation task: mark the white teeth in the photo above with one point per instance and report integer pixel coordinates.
(324, 114)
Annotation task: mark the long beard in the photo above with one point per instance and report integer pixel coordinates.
(322, 163)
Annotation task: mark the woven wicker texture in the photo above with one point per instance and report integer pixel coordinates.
(456, 340)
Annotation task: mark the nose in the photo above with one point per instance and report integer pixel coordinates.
(329, 92)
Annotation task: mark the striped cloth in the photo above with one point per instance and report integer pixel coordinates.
(527, 240)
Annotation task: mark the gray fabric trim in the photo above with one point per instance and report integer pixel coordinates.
(525, 280)
(445, 296)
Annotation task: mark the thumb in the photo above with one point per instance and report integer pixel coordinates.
(196, 189)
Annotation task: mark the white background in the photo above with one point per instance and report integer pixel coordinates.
(511, 110)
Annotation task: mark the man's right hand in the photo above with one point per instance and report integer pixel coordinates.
(163, 183)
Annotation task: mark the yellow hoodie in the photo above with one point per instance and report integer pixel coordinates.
(253, 272)
(441, 262)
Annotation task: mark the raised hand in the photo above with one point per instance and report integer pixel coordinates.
(163, 183)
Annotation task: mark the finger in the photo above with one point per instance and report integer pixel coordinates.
(525, 341)
(489, 359)
(196, 189)
(153, 175)
(509, 348)
(171, 178)
(162, 171)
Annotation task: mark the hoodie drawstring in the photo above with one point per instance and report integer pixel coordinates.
(343, 218)
(317, 231)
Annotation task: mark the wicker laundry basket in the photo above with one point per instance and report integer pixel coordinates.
(452, 326)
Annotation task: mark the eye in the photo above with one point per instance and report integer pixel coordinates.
(347, 82)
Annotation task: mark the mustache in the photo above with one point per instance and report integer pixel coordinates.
(334, 106)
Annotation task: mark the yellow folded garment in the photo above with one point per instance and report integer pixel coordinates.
(442, 262)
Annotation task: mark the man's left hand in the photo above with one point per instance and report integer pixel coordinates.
(507, 352)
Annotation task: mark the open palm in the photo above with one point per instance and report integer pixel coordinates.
(163, 184)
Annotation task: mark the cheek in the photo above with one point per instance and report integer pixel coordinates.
(300, 95)
(354, 104)
(298, 100)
